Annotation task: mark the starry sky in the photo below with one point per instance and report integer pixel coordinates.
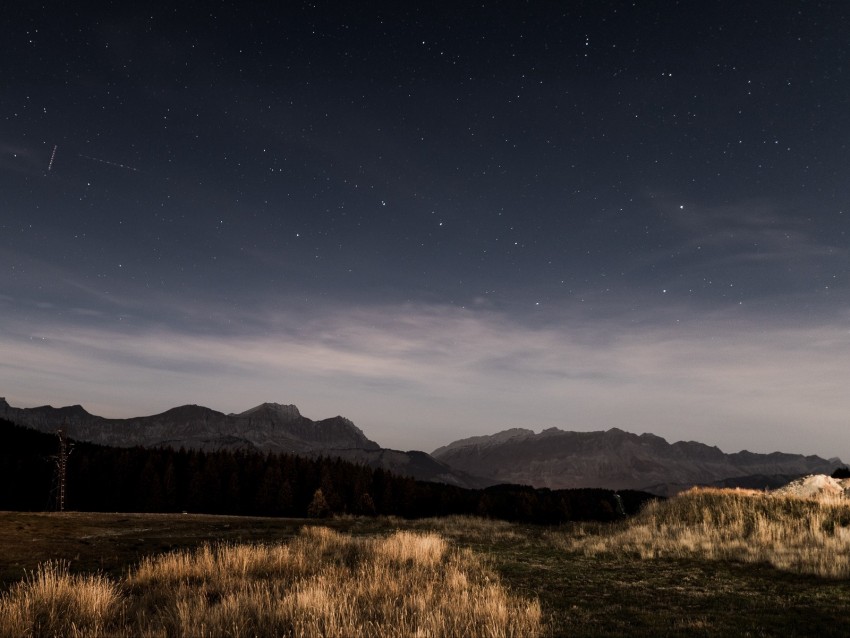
(439, 221)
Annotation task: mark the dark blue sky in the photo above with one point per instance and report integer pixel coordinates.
(440, 221)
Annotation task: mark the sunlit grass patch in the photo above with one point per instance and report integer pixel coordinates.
(52, 602)
(322, 583)
(791, 533)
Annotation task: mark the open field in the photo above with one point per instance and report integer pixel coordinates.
(610, 591)
(321, 584)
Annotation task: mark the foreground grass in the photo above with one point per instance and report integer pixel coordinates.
(800, 535)
(609, 593)
(323, 583)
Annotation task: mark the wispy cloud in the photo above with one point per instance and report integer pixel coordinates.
(418, 376)
(757, 230)
(745, 250)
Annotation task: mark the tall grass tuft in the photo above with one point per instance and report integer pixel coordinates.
(322, 583)
(791, 533)
(52, 602)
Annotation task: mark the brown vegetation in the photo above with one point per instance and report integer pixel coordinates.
(323, 583)
(52, 602)
(795, 534)
(612, 593)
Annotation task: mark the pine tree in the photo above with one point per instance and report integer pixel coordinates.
(365, 505)
(318, 507)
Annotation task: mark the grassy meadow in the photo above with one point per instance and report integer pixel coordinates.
(794, 534)
(707, 563)
(321, 583)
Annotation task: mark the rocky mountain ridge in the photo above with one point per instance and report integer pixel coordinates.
(614, 459)
(268, 428)
(553, 458)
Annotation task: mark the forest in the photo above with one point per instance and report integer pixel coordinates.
(108, 479)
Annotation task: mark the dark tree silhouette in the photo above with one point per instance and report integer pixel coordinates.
(318, 507)
(226, 482)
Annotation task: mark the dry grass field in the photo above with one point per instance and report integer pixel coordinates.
(708, 563)
(802, 535)
(323, 583)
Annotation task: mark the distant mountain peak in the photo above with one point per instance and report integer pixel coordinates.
(487, 439)
(187, 412)
(279, 410)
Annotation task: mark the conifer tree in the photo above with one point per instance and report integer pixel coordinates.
(318, 507)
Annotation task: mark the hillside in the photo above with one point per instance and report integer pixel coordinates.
(616, 459)
(267, 428)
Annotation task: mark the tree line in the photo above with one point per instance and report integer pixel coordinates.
(101, 478)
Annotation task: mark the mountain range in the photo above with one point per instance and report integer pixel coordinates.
(267, 428)
(553, 458)
(616, 459)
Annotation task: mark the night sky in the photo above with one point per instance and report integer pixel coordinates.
(437, 222)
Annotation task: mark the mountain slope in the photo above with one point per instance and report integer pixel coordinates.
(613, 459)
(269, 427)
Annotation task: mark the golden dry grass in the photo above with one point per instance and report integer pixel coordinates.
(323, 583)
(791, 533)
(51, 602)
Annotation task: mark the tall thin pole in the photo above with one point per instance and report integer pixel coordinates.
(62, 467)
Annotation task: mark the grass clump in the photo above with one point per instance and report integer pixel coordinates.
(52, 602)
(801, 535)
(322, 583)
